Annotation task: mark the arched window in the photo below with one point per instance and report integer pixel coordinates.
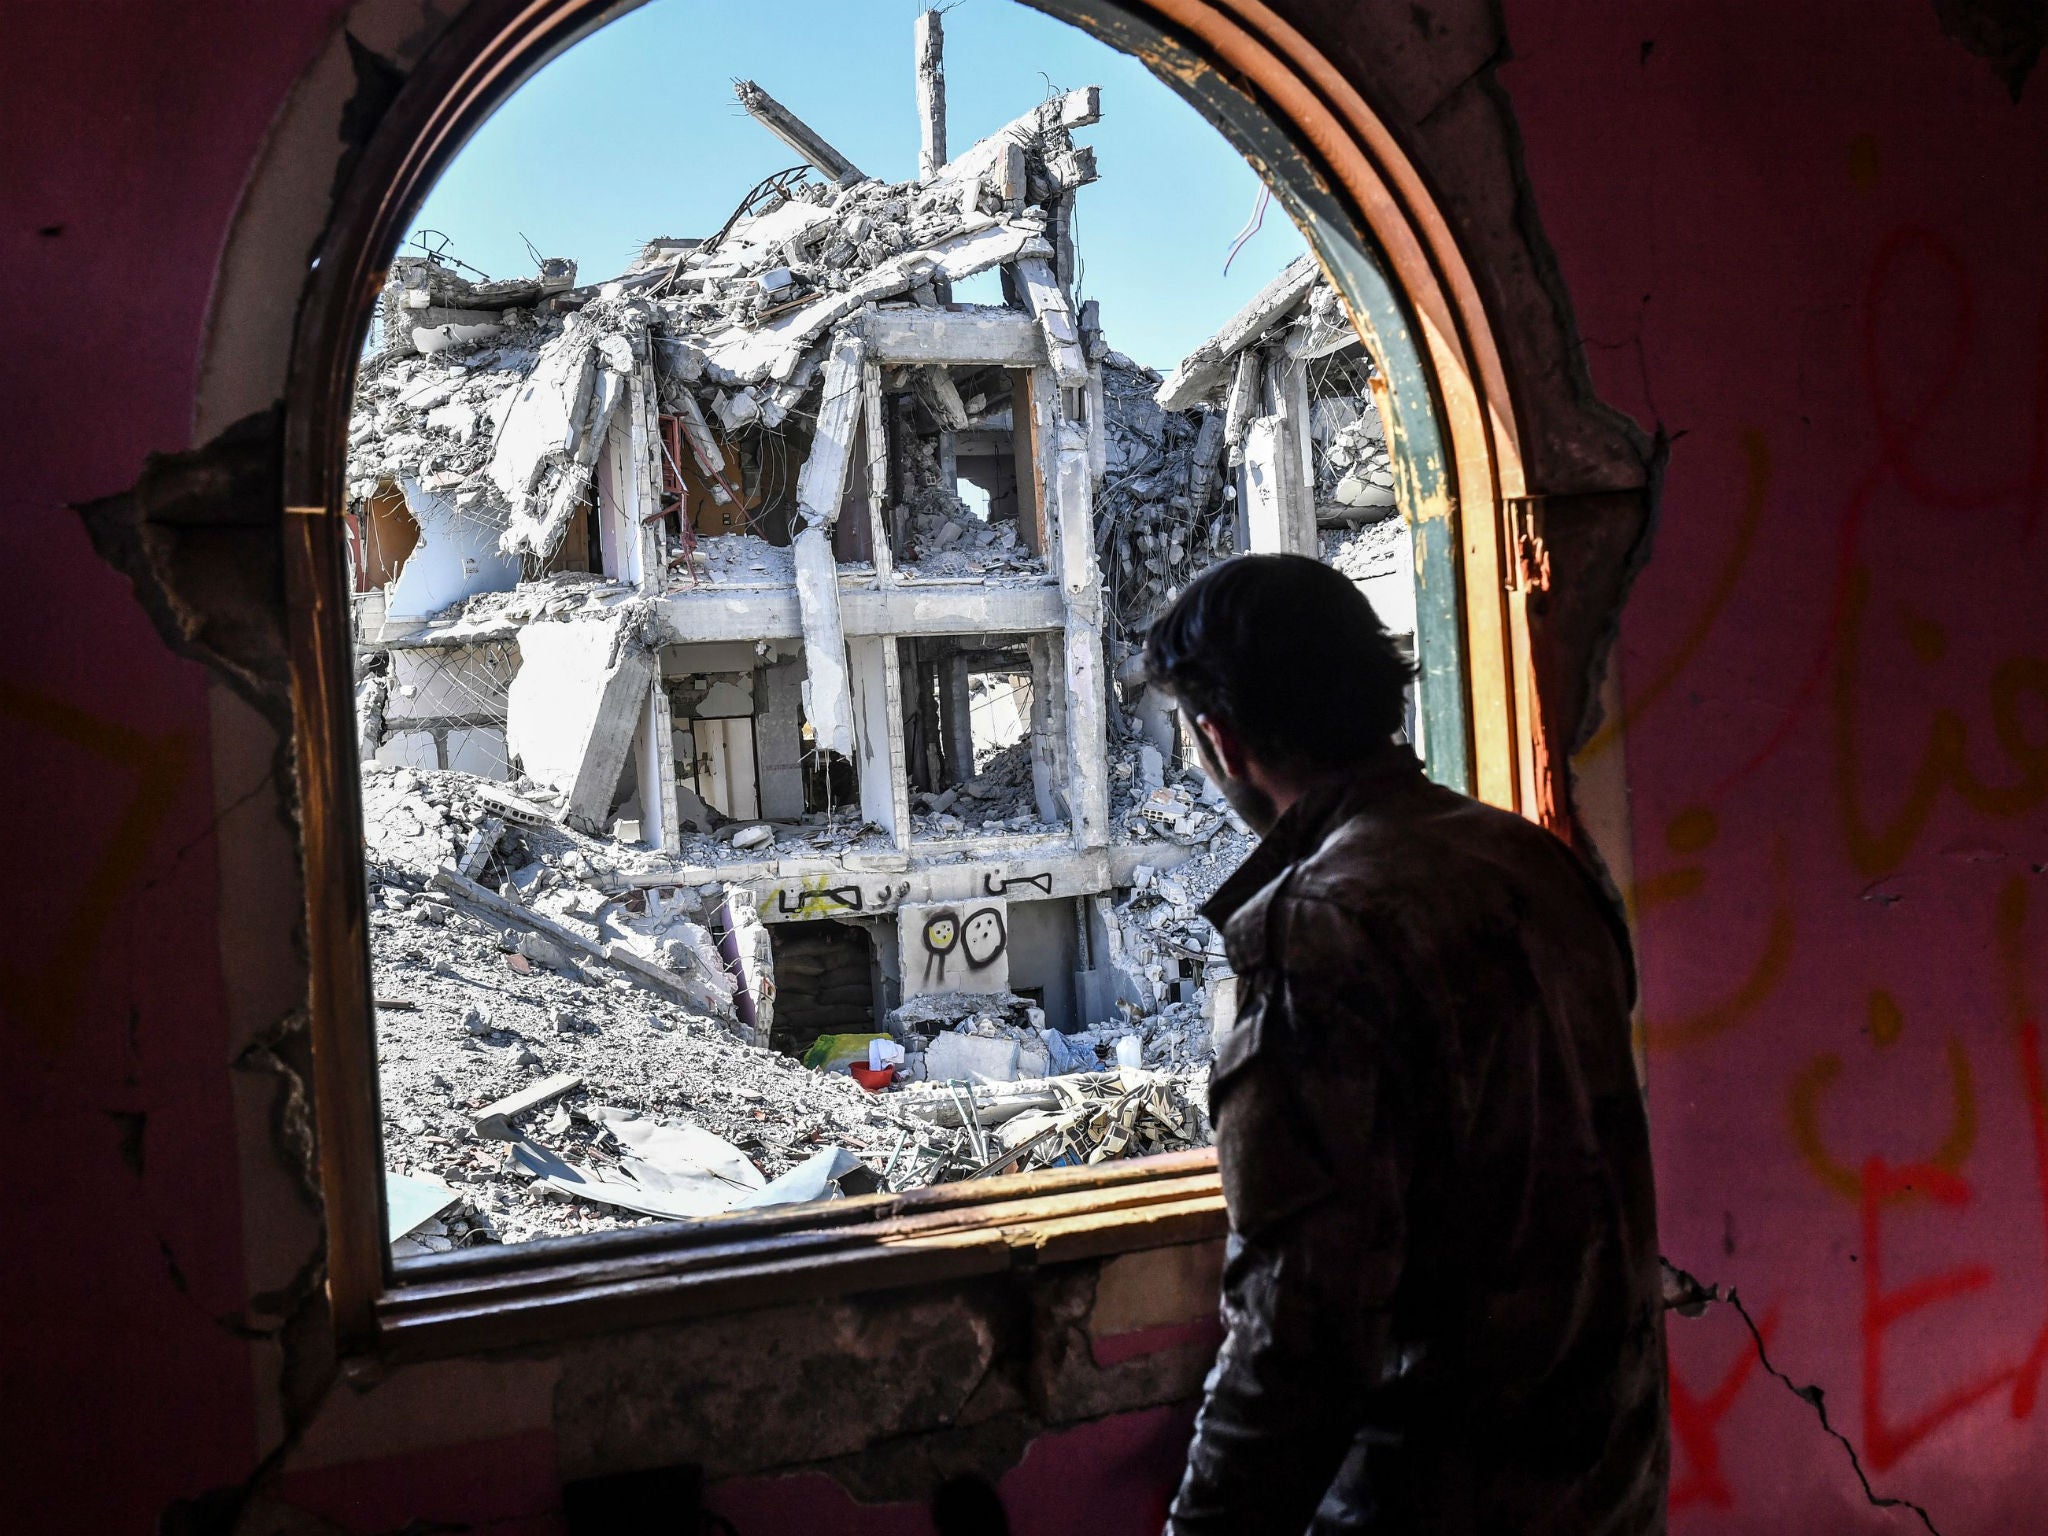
(1451, 431)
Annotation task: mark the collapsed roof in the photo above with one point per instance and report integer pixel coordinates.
(498, 396)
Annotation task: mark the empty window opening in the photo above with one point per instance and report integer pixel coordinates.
(985, 750)
(954, 452)
(999, 714)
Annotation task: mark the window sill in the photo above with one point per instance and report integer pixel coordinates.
(498, 1298)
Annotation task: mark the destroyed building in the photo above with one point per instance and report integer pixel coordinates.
(746, 652)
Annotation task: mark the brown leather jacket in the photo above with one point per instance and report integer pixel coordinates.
(1442, 1297)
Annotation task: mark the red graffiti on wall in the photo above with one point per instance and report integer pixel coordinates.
(1888, 1438)
(1696, 1425)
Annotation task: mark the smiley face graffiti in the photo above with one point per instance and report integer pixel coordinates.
(979, 938)
(983, 937)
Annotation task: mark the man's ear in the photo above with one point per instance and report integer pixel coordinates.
(1224, 746)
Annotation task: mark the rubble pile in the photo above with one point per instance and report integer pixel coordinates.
(1162, 513)
(1354, 472)
(983, 1130)
(473, 1008)
(946, 538)
(999, 798)
(1374, 549)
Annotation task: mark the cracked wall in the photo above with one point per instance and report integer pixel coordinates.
(1802, 252)
(1823, 286)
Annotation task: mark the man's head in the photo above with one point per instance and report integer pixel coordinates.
(1285, 673)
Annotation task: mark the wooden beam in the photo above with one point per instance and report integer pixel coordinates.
(481, 1299)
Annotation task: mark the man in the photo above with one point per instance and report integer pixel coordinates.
(1442, 1293)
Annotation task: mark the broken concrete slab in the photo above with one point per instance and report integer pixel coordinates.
(574, 709)
(1205, 369)
(494, 1121)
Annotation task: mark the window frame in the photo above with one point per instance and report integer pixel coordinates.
(1451, 425)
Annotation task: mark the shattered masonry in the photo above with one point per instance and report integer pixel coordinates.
(746, 657)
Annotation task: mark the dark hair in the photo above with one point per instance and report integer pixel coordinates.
(1287, 653)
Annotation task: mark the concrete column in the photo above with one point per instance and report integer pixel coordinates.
(1048, 728)
(1086, 683)
(654, 762)
(955, 716)
(878, 734)
(779, 742)
(1294, 478)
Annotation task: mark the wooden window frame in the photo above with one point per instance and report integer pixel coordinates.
(1451, 426)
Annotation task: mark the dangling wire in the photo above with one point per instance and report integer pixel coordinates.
(1258, 220)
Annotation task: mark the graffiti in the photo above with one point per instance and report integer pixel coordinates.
(1938, 1327)
(1809, 1090)
(980, 939)
(991, 886)
(984, 937)
(1696, 1422)
(1945, 764)
(1764, 973)
(1885, 1441)
(1883, 1189)
(820, 899)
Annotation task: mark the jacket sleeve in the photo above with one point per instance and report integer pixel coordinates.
(1313, 1106)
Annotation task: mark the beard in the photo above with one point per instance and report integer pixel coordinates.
(1252, 803)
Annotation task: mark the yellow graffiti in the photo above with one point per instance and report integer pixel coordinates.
(1877, 849)
(1764, 974)
(1809, 1090)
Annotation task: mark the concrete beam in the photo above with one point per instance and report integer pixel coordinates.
(877, 688)
(1086, 690)
(778, 742)
(1055, 314)
(954, 338)
(827, 702)
(1203, 370)
(702, 614)
(805, 140)
(956, 721)
(654, 761)
(821, 487)
(1287, 377)
(821, 484)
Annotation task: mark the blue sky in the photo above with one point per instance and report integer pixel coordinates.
(634, 133)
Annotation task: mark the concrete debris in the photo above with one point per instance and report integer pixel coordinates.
(999, 798)
(1162, 512)
(1065, 1122)
(494, 1121)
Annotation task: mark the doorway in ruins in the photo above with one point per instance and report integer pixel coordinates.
(827, 982)
(746, 624)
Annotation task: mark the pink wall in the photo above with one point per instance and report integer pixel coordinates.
(1809, 244)
(1808, 241)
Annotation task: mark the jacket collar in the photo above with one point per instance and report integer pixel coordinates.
(1306, 823)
